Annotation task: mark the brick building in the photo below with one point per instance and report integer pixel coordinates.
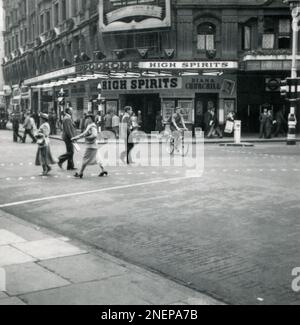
(152, 54)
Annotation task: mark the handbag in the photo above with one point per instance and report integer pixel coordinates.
(229, 127)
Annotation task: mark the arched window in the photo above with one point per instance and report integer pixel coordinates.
(206, 37)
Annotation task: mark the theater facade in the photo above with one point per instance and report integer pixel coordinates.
(153, 55)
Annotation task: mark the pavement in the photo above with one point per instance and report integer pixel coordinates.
(43, 268)
(232, 234)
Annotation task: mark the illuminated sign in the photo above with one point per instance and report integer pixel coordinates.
(141, 84)
(105, 66)
(120, 15)
(189, 65)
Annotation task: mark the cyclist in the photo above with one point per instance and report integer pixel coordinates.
(177, 125)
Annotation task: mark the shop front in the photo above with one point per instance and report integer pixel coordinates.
(161, 95)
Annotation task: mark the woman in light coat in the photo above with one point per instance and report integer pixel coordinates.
(44, 157)
(91, 155)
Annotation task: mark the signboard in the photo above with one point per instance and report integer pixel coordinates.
(121, 15)
(141, 84)
(273, 84)
(7, 90)
(189, 65)
(105, 66)
(49, 76)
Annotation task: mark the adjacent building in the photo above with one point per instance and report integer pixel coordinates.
(151, 54)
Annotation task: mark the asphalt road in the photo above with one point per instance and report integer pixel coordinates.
(232, 233)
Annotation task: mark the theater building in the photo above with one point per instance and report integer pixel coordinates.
(153, 55)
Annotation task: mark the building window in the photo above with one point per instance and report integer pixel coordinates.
(56, 14)
(74, 8)
(63, 10)
(48, 21)
(206, 37)
(268, 41)
(42, 26)
(247, 38)
(284, 35)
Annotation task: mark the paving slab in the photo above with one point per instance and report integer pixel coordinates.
(108, 292)
(10, 256)
(14, 301)
(49, 248)
(30, 278)
(3, 295)
(83, 268)
(122, 290)
(21, 228)
(7, 237)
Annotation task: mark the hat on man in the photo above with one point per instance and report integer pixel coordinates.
(44, 116)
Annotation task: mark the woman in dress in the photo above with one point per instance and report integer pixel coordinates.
(91, 155)
(44, 157)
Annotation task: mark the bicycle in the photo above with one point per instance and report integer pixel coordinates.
(177, 144)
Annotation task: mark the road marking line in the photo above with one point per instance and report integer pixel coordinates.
(115, 188)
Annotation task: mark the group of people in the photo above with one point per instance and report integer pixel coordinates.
(269, 125)
(127, 123)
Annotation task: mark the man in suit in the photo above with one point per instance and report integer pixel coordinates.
(69, 132)
(263, 120)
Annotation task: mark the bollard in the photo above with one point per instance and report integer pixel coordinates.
(291, 140)
(237, 131)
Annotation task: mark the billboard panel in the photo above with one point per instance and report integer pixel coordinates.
(126, 15)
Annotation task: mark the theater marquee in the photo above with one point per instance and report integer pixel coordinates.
(120, 15)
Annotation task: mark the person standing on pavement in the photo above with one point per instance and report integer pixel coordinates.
(69, 132)
(115, 124)
(108, 121)
(214, 125)
(91, 155)
(44, 157)
(269, 124)
(28, 128)
(206, 121)
(281, 124)
(126, 133)
(16, 126)
(263, 119)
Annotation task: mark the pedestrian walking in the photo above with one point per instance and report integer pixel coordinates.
(281, 124)
(92, 154)
(69, 132)
(229, 126)
(116, 124)
(140, 119)
(28, 128)
(16, 127)
(126, 133)
(159, 122)
(269, 124)
(263, 119)
(44, 156)
(214, 125)
(108, 121)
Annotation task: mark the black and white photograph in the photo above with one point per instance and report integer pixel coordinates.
(149, 155)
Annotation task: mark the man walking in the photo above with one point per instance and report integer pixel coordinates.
(69, 132)
(126, 132)
(281, 123)
(28, 128)
(16, 126)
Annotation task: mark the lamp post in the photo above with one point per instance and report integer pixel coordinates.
(295, 8)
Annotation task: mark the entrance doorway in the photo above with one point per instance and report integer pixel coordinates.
(148, 104)
(201, 107)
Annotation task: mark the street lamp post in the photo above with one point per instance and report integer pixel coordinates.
(295, 8)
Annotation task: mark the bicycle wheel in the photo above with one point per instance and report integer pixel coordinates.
(182, 147)
(170, 145)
